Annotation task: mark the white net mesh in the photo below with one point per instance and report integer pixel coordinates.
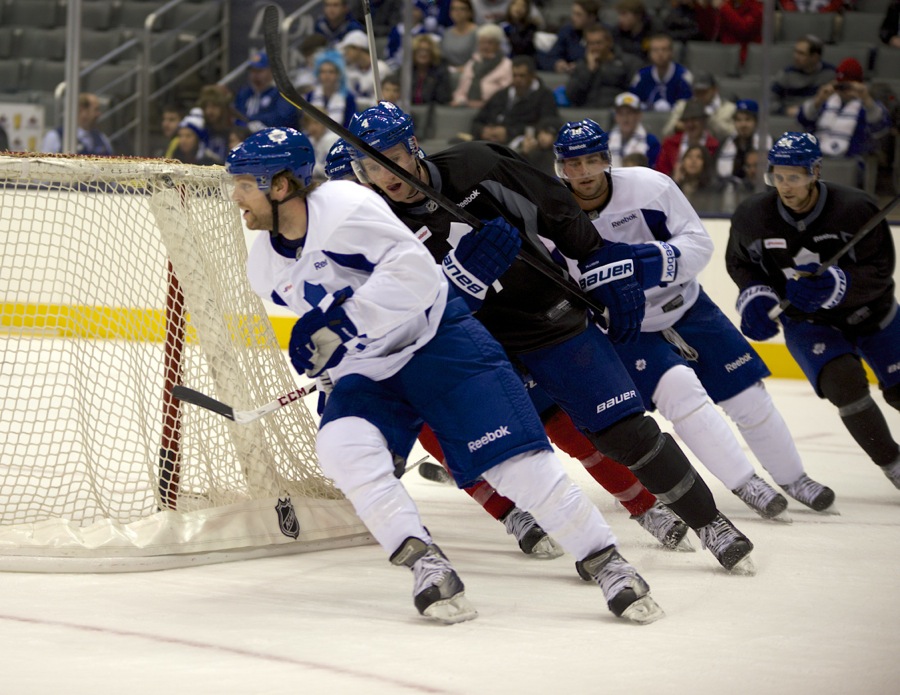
(118, 279)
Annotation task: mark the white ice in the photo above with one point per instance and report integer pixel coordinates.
(822, 615)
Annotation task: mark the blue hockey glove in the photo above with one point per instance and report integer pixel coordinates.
(609, 276)
(754, 304)
(480, 258)
(809, 293)
(317, 339)
(656, 263)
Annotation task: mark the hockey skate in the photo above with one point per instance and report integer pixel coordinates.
(533, 540)
(438, 592)
(626, 592)
(730, 547)
(814, 495)
(662, 523)
(763, 499)
(892, 471)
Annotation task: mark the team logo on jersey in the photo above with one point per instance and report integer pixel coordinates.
(640, 365)
(819, 349)
(431, 206)
(287, 518)
(469, 198)
(775, 243)
(892, 368)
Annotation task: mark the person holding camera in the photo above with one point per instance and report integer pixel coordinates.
(843, 115)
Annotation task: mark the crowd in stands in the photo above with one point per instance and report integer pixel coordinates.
(514, 71)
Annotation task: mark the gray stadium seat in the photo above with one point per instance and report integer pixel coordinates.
(655, 121)
(836, 53)
(601, 116)
(133, 14)
(710, 56)
(96, 14)
(42, 43)
(10, 75)
(878, 7)
(552, 80)
(450, 120)
(795, 25)
(887, 65)
(781, 55)
(6, 42)
(845, 171)
(96, 43)
(112, 80)
(43, 75)
(861, 27)
(734, 88)
(33, 13)
(779, 125)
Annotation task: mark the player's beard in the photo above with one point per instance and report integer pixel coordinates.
(593, 192)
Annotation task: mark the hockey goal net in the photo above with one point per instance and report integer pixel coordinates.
(120, 278)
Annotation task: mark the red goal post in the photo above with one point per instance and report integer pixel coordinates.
(119, 278)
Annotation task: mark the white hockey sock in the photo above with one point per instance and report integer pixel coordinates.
(538, 484)
(765, 432)
(682, 400)
(354, 454)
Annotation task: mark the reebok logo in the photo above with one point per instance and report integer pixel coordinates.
(318, 265)
(616, 400)
(739, 362)
(488, 437)
(469, 198)
(627, 218)
(823, 237)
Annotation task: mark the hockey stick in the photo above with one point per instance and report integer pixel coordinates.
(241, 417)
(373, 52)
(290, 93)
(876, 219)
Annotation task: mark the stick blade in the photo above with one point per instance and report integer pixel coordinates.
(183, 393)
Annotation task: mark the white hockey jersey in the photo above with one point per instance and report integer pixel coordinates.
(353, 240)
(645, 205)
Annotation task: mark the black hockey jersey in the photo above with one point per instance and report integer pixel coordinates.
(767, 241)
(491, 181)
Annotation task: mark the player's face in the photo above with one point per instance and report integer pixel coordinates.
(255, 207)
(795, 186)
(393, 187)
(585, 174)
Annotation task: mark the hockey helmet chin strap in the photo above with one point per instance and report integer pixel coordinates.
(275, 203)
(607, 190)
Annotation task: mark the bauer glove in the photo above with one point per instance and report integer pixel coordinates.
(480, 258)
(810, 292)
(609, 277)
(754, 304)
(318, 338)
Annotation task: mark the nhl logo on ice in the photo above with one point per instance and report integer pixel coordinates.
(287, 518)
(431, 206)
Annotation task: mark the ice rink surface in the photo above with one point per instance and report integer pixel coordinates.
(822, 615)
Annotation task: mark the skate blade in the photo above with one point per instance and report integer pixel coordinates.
(546, 549)
(744, 567)
(643, 611)
(782, 518)
(683, 546)
(456, 609)
(435, 473)
(830, 510)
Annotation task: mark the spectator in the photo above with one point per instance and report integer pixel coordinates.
(4, 140)
(635, 159)
(89, 139)
(740, 21)
(813, 5)
(695, 132)
(386, 14)
(335, 22)
(424, 22)
(459, 40)
(843, 115)
(496, 11)
(390, 88)
(520, 28)
(172, 115)
(487, 72)
(694, 172)
(218, 115)
(303, 76)
(801, 80)
(360, 71)
(192, 141)
(720, 111)
(509, 112)
(601, 74)
(330, 93)
(322, 141)
(890, 27)
(732, 154)
(237, 135)
(629, 136)
(537, 147)
(259, 102)
(431, 79)
(634, 28)
(570, 39)
(663, 82)
(681, 22)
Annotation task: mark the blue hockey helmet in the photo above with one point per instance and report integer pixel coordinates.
(383, 126)
(796, 150)
(338, 161)
(272, 151)
(577, 138)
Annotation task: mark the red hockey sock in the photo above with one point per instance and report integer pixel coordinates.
(613, 476)
(493, 502)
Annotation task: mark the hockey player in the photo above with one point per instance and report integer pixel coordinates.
(338, 164)
(849, 312)
(688, 351)
(542, 326)
(377, 316)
